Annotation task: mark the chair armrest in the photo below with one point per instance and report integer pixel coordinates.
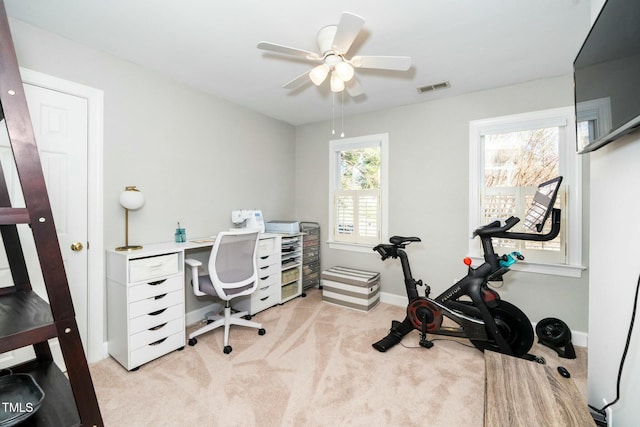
(191, 262)
(195, 282)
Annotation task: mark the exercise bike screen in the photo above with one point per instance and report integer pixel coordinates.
(543, 201)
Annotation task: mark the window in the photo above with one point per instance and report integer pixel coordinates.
(509, 157)
(594, 120)
(357, 192)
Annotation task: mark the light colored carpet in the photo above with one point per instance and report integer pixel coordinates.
(314, 367)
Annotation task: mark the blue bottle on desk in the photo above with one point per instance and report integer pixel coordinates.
(180, 235)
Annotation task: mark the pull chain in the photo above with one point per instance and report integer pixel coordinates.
(333, 114)
(342, 113)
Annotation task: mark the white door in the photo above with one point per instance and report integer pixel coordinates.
(60, 126)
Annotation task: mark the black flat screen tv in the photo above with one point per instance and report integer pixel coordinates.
(607, 76)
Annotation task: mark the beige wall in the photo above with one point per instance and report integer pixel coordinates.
(429, 194)
(195, 156)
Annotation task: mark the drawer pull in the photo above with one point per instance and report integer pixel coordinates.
(159, 341)
(157, 283)
(264, 278)
(155, 328)
(264, 288)
(265, 257)
(265, 267)
(160, 296)
(155, 313)
(264, 299)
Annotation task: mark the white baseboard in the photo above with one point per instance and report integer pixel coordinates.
(103, 355)
(393, 299)
(578, 338)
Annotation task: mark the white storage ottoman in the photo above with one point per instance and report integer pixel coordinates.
(351, 288)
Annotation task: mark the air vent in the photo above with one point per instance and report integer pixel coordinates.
(430, 88)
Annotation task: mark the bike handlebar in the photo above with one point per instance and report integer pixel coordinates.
(486, 233)
(495, 230)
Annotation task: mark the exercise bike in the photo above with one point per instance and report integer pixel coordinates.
(489, 322)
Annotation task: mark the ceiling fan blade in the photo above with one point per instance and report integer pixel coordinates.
(298, 81)
(347, 31)
(354, 88)
(397, 63)
(278, 48)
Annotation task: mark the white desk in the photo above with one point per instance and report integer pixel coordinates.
(146, 296)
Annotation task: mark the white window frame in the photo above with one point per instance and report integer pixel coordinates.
(335, 146)
(570, 169)
(599, 112)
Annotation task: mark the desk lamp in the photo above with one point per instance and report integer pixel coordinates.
(130, 199)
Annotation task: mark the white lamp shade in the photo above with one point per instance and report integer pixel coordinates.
(337, 84)
(344, 70)
(319, 74)
(131, 198)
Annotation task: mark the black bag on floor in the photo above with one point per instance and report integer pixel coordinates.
(556, 335)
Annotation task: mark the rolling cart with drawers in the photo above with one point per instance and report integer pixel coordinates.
(310, 255)
(145, 305)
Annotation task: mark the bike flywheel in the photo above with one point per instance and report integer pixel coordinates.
(422, 310)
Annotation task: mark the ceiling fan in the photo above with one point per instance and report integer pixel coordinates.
(334, 42)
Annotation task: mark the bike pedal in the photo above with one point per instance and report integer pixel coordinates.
(426, 343)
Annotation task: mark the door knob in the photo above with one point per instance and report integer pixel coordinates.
(76, 247)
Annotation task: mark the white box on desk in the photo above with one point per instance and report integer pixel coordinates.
(285, 227)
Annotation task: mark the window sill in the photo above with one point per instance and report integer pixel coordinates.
(353, 247)
(564, 270)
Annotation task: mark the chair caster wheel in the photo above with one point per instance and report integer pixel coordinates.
(227, 349)
(261, 331)
(193, 341)
(248, 317)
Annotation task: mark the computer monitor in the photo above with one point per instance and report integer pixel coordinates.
(543, 201)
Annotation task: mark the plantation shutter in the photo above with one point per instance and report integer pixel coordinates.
(357, 216)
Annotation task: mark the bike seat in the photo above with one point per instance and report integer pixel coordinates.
(401, 241)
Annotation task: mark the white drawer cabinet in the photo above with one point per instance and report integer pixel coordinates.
(145, 305)
(268, 292)
(149, 268)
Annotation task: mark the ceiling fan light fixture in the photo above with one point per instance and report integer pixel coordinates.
(337, 84)
(319, 74)
(335, 41)
(344, 70)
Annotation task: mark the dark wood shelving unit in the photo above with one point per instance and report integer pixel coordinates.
(22, 311)
(58, 407)
(26, 319)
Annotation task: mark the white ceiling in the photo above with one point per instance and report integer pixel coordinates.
(211, 45)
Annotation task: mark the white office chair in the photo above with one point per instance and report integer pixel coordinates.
(233, 272)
